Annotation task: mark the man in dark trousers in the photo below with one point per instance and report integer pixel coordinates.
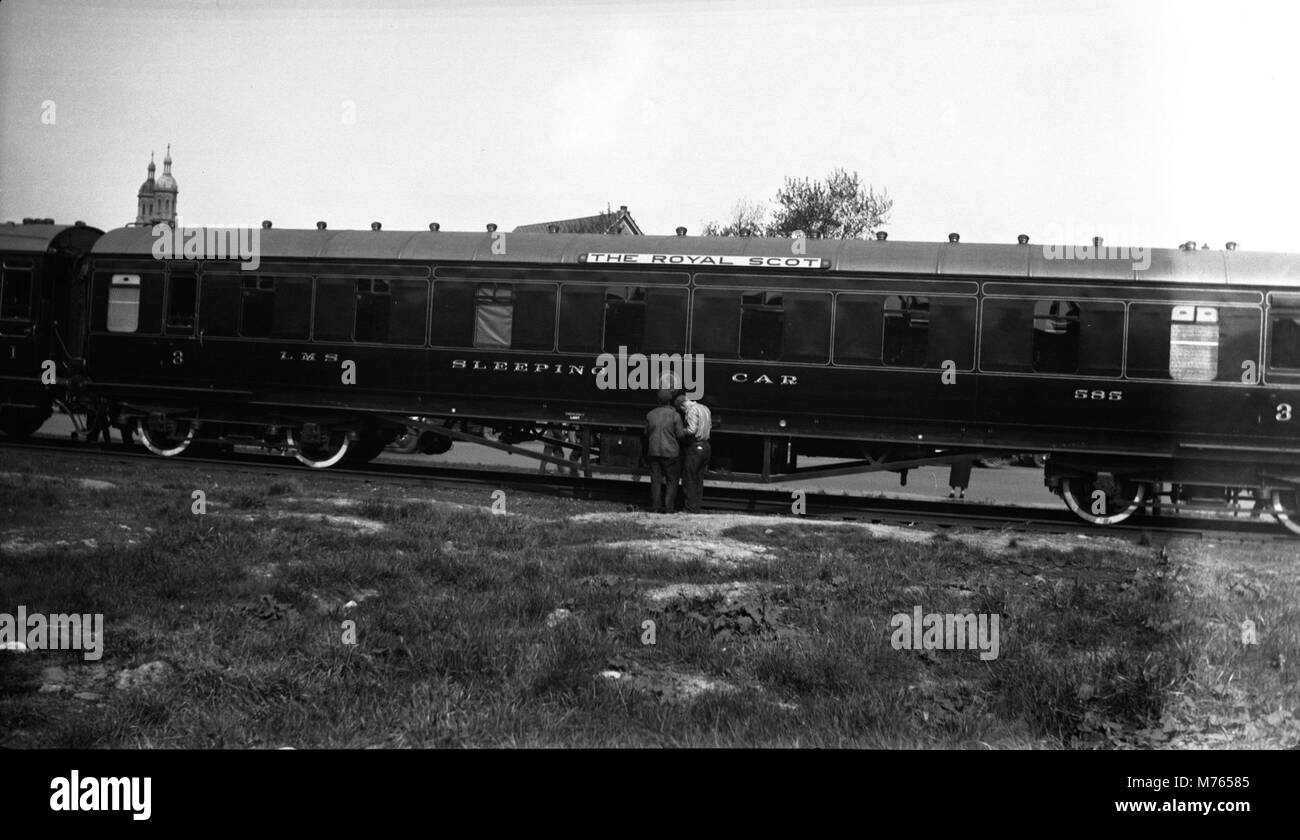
(663, 427)
(695, 460)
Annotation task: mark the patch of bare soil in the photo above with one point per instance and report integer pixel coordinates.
(718, 551)
(667, 685)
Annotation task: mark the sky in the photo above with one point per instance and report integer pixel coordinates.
(1150, 122)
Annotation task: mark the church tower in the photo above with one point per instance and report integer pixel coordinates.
(164, 207)
(145, 197)
(157, 198)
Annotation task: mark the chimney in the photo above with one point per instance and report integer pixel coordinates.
(1096, 242)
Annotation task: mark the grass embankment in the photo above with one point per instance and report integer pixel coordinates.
(529, 628)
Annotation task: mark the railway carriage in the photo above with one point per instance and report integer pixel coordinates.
(1181, 376)
(39, 306)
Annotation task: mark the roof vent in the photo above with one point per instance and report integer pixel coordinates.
(881, 235)
(1205, 247)
(27, 220)
(78, 223)
(1231, 246)
(681, 231)
(434, 226)
(492, 227)
(375, 225)
(1023, 239)
(552, 228)
(954, 237)
(266, 224)
(1189, 245)
(320, 226)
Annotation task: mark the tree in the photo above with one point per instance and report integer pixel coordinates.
(748, 218)
(837, 207)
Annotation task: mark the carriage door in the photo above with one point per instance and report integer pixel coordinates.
(180, 346)
(18, 303)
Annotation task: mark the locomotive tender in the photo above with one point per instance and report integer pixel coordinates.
(1179, 375)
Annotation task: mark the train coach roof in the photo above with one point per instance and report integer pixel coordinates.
(849, 255)
(15, 238)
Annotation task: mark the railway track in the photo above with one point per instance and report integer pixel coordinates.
(842, 506)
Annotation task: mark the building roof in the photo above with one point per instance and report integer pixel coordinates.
(620, 222)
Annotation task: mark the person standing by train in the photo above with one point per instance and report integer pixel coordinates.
(663, 429)
(695, 459)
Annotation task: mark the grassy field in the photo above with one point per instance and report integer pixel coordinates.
(311, 612)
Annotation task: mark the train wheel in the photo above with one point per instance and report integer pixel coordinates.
(167, 445)
(1117, 501)
(320, 455)
(1286, 507)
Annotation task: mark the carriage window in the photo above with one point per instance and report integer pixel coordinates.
(336, 306)
(762, 325)
(807, 327)
(219, 305)
(581, 318)
(494, 307)
(16, 294)
(1194, 343)
(374, 302)
(409, 311)
(182, 286)
(292, 318)
(124, 303)
(257, 310)
(1284, 341)
(906, 331)
(715, 325)
(1056, 336)
(625, 316)
(665, 320)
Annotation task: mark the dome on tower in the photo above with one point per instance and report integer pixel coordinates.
(147, 187)
(166, 183)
